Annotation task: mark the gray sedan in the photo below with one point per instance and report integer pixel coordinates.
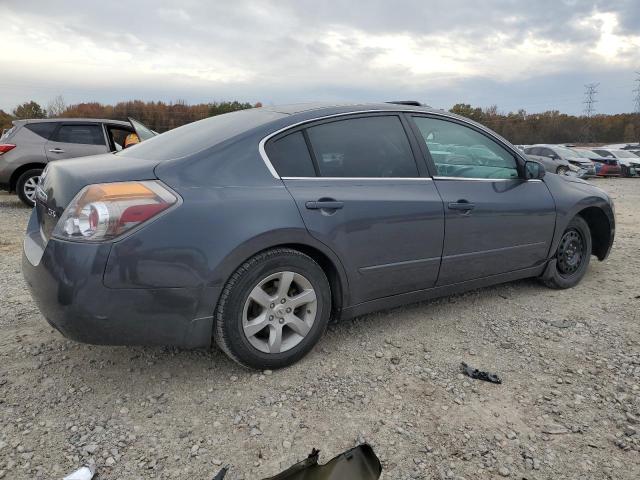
(562, 160)
(254, 228)
(559, 166)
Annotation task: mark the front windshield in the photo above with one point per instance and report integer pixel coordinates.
(587, 153)
(566, 152)
(625, 154)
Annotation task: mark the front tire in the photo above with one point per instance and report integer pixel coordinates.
(572, 257)
(562, 170)
(26, 186)
(273, 310)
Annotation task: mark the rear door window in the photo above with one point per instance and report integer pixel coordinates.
(290, 156)
(43, 129)
(371, 147)
(83, 134)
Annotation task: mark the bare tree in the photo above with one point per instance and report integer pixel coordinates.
(56, 107)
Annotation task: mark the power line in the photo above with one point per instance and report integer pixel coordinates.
(636, 101)
(590, 92)
(636, 98)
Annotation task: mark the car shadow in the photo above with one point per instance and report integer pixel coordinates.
(131, 365)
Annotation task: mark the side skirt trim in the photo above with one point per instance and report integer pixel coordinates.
(429, 293)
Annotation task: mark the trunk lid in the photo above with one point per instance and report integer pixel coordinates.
(63, 179)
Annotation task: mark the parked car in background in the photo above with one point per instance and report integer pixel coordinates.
(27, 147)
(561, 167)
(562, 158)
(622, 146)
(629, 161)
(254, 228)
(605, 166)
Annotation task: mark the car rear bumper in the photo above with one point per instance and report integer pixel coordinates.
(66, 282)
(5, 174)
(609, 171)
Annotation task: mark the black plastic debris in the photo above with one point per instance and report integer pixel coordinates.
(479, 374)
(359, 463)
(222, 473)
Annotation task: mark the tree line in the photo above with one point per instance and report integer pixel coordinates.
(158, 116)
(518, 127)
(553, 126)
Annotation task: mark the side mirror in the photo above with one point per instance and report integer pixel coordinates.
(533, 170)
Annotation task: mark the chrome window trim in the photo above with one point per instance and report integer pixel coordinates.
(272, 170)
(486, 179)
(428, 179)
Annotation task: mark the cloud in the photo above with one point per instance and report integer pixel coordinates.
(282, 51)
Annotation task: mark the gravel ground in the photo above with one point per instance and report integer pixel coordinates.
(568, 408)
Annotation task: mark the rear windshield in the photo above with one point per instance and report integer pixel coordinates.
(197, 136)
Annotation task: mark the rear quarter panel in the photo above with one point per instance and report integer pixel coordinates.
(232, 208)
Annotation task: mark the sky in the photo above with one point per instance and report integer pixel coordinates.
(535, 54)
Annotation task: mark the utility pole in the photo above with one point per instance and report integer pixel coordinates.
(636, 101)
(590, 91)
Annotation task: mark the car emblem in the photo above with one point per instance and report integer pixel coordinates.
(52, 213)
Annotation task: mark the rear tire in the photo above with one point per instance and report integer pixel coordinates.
(26, 186)
(262, 320)
(572, 257)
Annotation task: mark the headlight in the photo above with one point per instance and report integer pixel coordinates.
(574, 168)
(106, 210)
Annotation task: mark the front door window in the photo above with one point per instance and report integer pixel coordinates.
(460, 151)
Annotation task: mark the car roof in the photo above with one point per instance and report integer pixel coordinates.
(71, 120)
(335, 107)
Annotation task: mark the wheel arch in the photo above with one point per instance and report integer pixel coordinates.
(330, 270)
(304, 243)
(20, 170)
(600, 228)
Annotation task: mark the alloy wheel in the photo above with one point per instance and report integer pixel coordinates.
(570, 252)
(279, 312)
(29, 188)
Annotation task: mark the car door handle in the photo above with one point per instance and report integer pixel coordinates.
(56, 150)
(324, 205)
(461, 205)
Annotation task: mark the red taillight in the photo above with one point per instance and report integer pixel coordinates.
(106, 210)
(5, 147)
(141, 213)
